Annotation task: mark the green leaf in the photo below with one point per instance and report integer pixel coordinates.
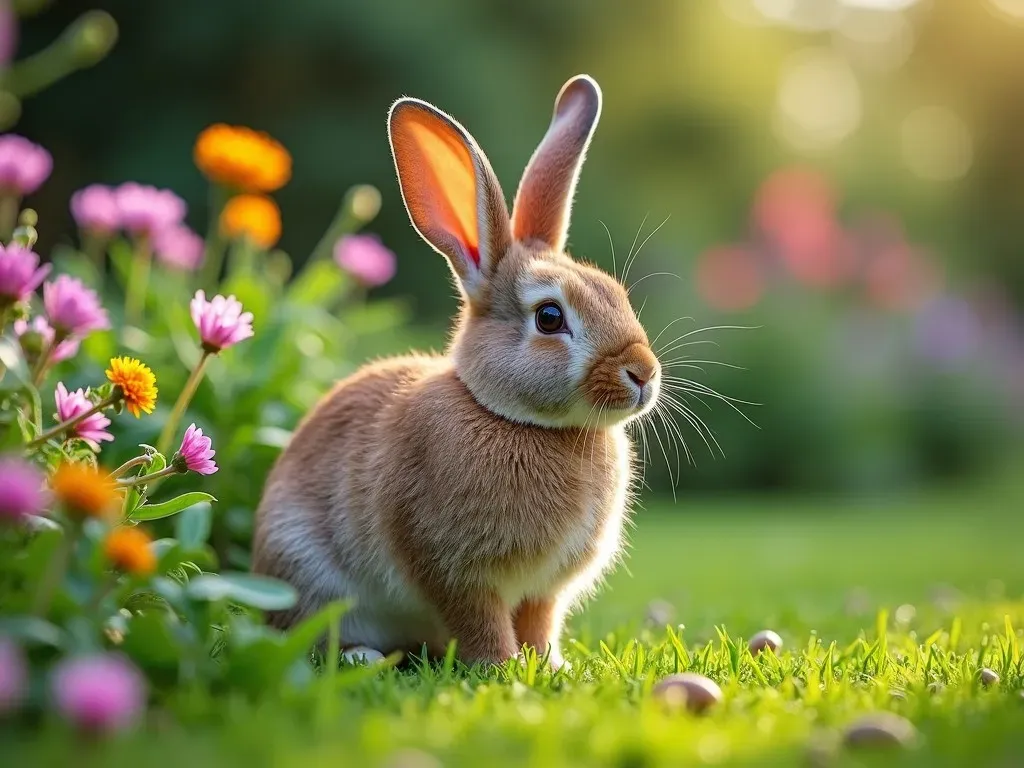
(31, 630)
(171, 506)
(193, 526)
(244, 588)
(149, 639)
(317, 284)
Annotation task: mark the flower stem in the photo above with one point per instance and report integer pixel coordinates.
(171, 425)
(138, 282)
(129, 482)
(138, 461)
(9, 206)
(39, 372)
(215, 245)
(70, 424)
(55, 570)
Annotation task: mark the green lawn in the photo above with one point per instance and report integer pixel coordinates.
(947, 566)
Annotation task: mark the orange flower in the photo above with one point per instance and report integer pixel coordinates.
(254, 217)
(128, 549)
(84, 491)
(242, 158)
(136, 382)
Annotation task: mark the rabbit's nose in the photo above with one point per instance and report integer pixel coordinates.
(642, 368)
(635, 378)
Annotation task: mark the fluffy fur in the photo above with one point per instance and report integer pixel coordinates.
(480, 494)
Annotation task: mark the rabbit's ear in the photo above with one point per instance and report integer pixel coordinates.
(450, 191)
(544, 200)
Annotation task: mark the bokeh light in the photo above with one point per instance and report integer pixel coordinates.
(936, 144)
(819, 100)
(875, 40)
(1012, 10)
(730, 277)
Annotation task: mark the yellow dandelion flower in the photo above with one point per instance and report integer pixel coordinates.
(128, 549)
(136, 383)
(242, 158)
(84, 491)
(254, 217)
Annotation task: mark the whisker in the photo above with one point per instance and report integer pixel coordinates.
(625, 275)
(697, 423)
(629, 290)
(673, 322)
(711, 328)
(664, 453)
(687, 362)
(625, 265)
(612, 246)
(641, 311)
(669, 348)
(724, 398)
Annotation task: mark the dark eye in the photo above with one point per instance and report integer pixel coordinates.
(550, 318)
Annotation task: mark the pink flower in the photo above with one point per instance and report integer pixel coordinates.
(179, 247)
(13, 676)
(196, 453)
(99, 693)
(24, 166)
(72, 308)
(365, 258)
(146, 210)
(220, 322)
(92, 429)
(34, 346)
(20, 273)
(21, 490)
(95, 209)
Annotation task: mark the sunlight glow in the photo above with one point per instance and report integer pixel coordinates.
(937, 144)
(819, 101)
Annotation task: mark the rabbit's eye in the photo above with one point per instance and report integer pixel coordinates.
(550, 318)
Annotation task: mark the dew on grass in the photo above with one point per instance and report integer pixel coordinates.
(905, 614)
(766, 638)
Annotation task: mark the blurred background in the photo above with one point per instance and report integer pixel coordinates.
(843, 179)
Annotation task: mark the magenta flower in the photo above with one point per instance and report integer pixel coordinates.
(179, 247)
(20, 273)
(95, 209)
(38, 335)
(366, 258)
(99, 693)
(92, 429)
(72, 308)
(220, 322)
(21, 490)
(24, 166)
(196, 453)
(13, 676)
(146, 210)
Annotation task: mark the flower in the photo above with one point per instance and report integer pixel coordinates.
(13, 675)
(128, 549)
(254, 217)
(179, 247)
(95, 209)
(101, 692)
(242, 158)
(195, 453)
(365, 258)
(38, 335)
(146, 210)
(220, 322)
(20, 273)
(72, 308)
(91, 428)
(24, 166)
(21, 490)
(136, 382)
(84, 491)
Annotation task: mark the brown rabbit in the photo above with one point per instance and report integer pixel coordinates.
(478, 495)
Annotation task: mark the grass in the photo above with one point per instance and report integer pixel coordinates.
(875, 600)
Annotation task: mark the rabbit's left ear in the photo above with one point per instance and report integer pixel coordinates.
(544, 200)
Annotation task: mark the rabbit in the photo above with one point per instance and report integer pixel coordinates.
(481, 494)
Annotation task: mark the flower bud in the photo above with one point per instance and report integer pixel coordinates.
(91, 37)
(363, 201)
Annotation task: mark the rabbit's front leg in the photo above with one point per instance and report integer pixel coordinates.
(481, 623)
(538, 623)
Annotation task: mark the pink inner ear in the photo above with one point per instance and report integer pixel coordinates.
(474, 254)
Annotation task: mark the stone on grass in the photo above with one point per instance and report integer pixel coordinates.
(766, 638)
(696, 692)
(360, 654)
(936, 688)
(882, 729)
(989, 677)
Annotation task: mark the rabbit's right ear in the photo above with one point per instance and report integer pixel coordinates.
(450, 191)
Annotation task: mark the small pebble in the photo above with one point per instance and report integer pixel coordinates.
(935, 688)
(898, 695)
(766, 638)
(696, 692)
(989, 677)
(360, 654)
(882, 729)
(660, 613)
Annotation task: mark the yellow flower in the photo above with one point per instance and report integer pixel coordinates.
(136, 382)
(252, 216)
(84, 491)
(242, 158)
(128, 550)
